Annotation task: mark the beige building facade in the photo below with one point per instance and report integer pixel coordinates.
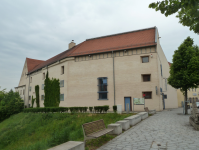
(108, 70)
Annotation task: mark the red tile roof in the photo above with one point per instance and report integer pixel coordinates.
(169, 64)
(127, 40)
(32, 63)
(139, 38)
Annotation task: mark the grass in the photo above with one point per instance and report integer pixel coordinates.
(38, 131)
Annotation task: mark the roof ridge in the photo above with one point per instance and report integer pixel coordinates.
(120, 33)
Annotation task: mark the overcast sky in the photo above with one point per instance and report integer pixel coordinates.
(41, 29)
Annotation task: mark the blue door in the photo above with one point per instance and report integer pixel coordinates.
(127, 100)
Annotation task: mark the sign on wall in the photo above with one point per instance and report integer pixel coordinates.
(138, 101)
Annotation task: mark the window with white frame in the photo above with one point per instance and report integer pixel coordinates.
(102, 88)
(61, 97)
(61, 83)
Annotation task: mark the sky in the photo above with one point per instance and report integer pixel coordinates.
(41, 29)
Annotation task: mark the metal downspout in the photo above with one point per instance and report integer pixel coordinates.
(113, 76)
(28, 91)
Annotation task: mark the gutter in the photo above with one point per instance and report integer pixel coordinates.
(113, 75)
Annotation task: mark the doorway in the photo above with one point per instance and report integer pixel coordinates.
(127, 100)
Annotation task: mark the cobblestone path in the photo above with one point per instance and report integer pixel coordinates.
(168, 129)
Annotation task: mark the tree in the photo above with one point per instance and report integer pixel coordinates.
(37, 95)
(33, 100)
(52, 92)
(184, 71)
(188, 11)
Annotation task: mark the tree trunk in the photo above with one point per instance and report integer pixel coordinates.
(185, 104)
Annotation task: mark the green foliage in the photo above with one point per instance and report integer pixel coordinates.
(115, 108)
(187, 11)
(91, 109)
(46, 109)
(100, 109)
(184, 72)
(12, 104)
(37, 131)
(52, 92)
(37, 95)
(2, 94)
(33, 100)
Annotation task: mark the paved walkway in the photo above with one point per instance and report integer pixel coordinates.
(170, 129)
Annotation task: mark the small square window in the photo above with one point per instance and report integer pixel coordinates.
(43, 75)
(61, 83)
(145, 59)
(42, 97)
(165, 96)
(61, 97)
(146, 78)
(42, 86)
(147, 95)
(62, 69)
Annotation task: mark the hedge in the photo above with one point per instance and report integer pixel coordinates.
(97, 109)
(100, 109)
(115, 108)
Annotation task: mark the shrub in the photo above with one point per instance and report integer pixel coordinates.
(91, 109)
(100, 109)
(115, 108)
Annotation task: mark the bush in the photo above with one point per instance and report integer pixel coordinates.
(115, 108)
(100, 109)
(46, 109)
(91, 109)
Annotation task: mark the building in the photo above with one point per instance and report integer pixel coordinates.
(106, 70)
(192, 94)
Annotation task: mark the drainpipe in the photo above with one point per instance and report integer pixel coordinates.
(28, 91)
(24, 95)
(113, 76)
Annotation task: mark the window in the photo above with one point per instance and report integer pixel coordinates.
(23, 91)
(61, 83)
(61, 97)
(43, 75)
(145, 59)
(30, 79)
(147, 95)
(42, 97)
(29, 98)
(62, 69)
(146, 78)
(30, 88)
(161, 69)
(42, 86)
(102, 88)
(165, 96)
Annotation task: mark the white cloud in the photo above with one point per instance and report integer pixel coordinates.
(41, 29)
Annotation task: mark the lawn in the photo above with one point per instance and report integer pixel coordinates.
(38, 131)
